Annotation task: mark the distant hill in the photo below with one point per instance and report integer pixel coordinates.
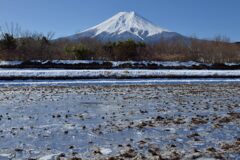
(238, 43)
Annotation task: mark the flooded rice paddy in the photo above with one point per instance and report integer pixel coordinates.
(159, 121)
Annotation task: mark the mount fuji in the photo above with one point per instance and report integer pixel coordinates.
(124, 26)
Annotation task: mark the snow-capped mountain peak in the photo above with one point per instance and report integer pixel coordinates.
(127, 22)
(123, 26)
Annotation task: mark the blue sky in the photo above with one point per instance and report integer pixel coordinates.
(203, 18)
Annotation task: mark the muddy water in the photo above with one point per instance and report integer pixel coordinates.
(132, 121)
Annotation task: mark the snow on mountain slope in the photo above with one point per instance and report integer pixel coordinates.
(127, 21)
(124, 26)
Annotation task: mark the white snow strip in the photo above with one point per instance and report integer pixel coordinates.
(113, 73)
(75, 62)
(41, 73)
(116, 63)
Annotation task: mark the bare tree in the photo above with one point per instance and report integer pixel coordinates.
(12, 29)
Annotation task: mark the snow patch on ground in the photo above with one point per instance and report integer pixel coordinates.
(105, 151)
(10, 63)
(49, 157)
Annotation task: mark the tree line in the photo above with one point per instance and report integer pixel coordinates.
(18, 45)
